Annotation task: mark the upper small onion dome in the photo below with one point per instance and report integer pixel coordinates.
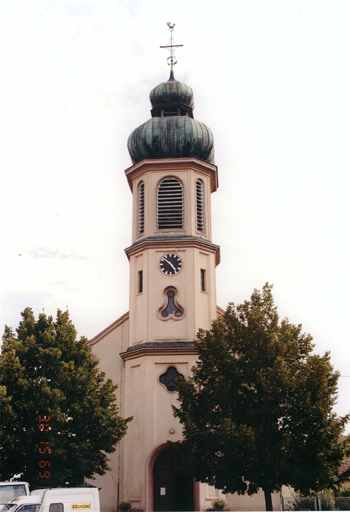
(172, 91)
(171, 132)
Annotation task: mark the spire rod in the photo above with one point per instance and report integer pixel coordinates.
(172, 59)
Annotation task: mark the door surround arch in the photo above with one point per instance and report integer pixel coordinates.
(161, 448)
(149, 474)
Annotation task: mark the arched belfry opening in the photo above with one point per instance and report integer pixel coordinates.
(172, 490)
(170, 204)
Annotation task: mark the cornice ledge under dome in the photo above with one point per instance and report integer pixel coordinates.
(173, 164)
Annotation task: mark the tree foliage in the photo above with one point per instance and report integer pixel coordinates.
(59, 418)
(257, 412)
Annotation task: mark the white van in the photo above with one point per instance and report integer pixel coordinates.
(62, 499)
(11, 490)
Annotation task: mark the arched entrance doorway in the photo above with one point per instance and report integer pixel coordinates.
(172, 491)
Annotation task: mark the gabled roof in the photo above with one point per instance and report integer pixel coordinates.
(109, 329)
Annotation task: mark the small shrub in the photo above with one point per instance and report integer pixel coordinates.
(218, 504)
(124, 506)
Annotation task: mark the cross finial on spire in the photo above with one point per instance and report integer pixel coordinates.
(172, 59)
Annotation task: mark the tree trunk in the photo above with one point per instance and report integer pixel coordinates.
(268, 499)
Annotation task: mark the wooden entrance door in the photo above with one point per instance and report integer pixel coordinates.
(171, 491)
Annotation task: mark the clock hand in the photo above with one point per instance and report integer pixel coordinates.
(169, 263)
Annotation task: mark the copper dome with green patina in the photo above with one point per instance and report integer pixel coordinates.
(172, 92)
(171, 132)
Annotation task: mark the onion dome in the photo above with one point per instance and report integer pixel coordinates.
(172, 92)
(171, 132)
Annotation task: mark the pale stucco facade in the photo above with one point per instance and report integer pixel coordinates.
(141, 395)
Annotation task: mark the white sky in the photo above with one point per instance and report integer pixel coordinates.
(271, 78)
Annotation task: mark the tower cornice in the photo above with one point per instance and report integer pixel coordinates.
(173, 164)
(174, 242)
(160, 349)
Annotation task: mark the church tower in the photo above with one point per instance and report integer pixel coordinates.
(172, 257)
(172, 294)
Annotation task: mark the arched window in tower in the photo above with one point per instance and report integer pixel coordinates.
(170, 204)
(200, 205)
(141, 208)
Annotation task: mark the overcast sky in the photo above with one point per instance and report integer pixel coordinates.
(271, 78)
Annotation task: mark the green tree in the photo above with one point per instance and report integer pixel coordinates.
(59, 417)
(257, 412)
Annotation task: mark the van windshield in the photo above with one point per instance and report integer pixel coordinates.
(10, 491)
(21, 508)
(28, 508)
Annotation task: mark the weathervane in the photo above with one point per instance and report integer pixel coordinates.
(172, 59)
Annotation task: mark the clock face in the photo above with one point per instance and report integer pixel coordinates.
(170, 264)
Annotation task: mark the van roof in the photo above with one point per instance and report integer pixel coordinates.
(16, 482)
(64, 490)
(38, 492)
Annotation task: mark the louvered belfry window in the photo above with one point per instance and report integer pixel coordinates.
(200, 205)
(141, 208)
(170, 204)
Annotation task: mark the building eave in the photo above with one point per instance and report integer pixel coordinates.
(160, 348)
(173, 242)
(108, 329)
(173, 164)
